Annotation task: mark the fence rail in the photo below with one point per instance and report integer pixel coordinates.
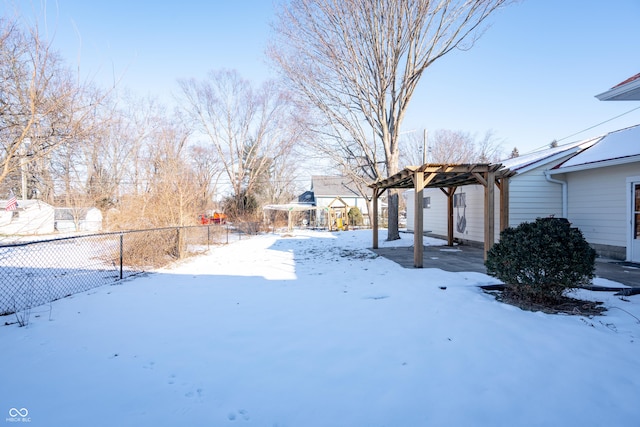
(38, 272)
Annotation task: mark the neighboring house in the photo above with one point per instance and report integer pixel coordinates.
(31, 217)
(78, 219)
(594, 183)
(334, 191)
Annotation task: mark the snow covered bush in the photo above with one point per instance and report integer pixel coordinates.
(539, 260)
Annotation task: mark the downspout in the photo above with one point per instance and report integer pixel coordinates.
(565, 206)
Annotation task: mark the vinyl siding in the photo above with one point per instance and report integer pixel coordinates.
(531, 196)
(598, 203)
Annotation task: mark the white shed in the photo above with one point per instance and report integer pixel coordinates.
(78, 219)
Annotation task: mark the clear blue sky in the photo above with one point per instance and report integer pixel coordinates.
(531, 78)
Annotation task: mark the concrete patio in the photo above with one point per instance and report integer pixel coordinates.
(468, 258)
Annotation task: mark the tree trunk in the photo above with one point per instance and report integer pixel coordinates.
(393, 232)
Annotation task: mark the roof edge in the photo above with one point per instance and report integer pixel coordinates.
(596, 165)
(619, 90)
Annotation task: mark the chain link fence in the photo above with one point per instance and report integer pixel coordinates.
(38, 272)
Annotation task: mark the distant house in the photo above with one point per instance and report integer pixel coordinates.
(31, 217)
(334, 192)
(78, 219)
(594, 183)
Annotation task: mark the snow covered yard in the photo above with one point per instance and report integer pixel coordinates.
(313, 329)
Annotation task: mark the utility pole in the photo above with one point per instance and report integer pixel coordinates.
(23, 171)
(425, 148)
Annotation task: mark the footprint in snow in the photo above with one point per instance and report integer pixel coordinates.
(242, 413)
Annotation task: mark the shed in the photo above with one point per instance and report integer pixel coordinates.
(78, 219)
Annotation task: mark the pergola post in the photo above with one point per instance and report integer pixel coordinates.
(449, 192)
(375, 217)
(418, 220)
(489, 211)
(504, 203)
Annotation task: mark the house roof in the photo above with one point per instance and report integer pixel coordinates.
(627, 90)
(27, 203)
(535, 159)
(333, 186)
(307, 198)
(618, 147)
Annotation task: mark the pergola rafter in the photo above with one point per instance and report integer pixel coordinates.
(448, 177)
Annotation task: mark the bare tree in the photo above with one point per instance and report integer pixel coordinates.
(359, 62)
(207, 170)
(250, 129)
(42, 105)
(446, 146)
(488, 149)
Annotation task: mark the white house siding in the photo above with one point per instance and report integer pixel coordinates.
(531, 196)
(432, 216)
(598, 206)
(435, 220)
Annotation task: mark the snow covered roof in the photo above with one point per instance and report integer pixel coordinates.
(332, 186)
(621, 146)
(28, 204)
(628, 90)
(526, 162)
(290, 207)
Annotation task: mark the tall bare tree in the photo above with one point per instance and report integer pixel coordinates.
(42, 104)
(250, 129)
(358, 62)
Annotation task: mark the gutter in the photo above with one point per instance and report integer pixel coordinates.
(565, 206)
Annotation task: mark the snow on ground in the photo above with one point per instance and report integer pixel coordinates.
(312, 329)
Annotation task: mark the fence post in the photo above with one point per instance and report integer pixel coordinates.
(208, 236)
(121, 252)
(178, 245)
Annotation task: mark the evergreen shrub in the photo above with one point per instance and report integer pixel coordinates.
(539, 260)
(355, 216)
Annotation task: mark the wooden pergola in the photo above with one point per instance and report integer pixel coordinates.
(448, 177)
